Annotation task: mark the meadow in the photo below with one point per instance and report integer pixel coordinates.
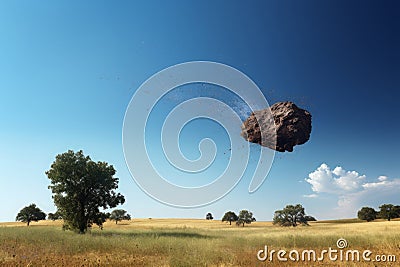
(188, 242)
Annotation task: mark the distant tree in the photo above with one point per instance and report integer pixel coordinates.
(54, 216)
(396, 210)
(30, 214)
(245, 216)
(389, 211)
(291, 215)
(367, 214)
(209, 216)
(81, 187)
(230, 217)
(310, 218)
(102, 218)
(118, 215)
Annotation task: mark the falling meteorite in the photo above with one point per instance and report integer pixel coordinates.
(280, 127)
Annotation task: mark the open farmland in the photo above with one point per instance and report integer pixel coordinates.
(188, 242)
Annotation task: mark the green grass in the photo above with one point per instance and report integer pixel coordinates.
(183, 243)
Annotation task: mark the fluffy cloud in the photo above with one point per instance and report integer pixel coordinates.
(325, 180)
(352, 190)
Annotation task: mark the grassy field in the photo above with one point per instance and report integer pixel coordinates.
(181, 242)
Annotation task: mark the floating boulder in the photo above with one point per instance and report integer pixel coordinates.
(280, 127)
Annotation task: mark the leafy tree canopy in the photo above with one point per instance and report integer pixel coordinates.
(230, 217)
(245, 217)
(54, 216)
(389, 211)
(367, 214)
(118, 215)
(80, 187)
(291, 215)
(30, 214)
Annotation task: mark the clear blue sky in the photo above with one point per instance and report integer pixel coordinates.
(68, 70)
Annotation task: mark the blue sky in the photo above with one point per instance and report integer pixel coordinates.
(68, 70)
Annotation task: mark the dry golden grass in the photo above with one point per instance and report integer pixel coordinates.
(186, 242)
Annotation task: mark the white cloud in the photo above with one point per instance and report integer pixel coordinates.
(325, 180)
(382, 178)
(311, 196)
(351, 189)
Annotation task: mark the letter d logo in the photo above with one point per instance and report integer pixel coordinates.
(260, 252)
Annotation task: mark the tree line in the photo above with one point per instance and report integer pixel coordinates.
(32, 213)
(386, 211)
(291, 215)
(244, 217)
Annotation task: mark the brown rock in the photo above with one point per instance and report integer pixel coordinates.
(280, 127)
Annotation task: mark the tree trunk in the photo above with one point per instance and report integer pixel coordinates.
(28, 222)
(243, 225)
(230, 222)
(116, 221)
(82, 226)
(82, 220)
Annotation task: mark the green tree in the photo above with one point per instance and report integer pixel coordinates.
(119, 215)
(30, 214)
(245, 216)
(230, 217)
(209, 216)
(396, 210)
(54, 216)
(102, 218)
(367, 214)
(80, 187)
(291, 215)
(389, 211)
